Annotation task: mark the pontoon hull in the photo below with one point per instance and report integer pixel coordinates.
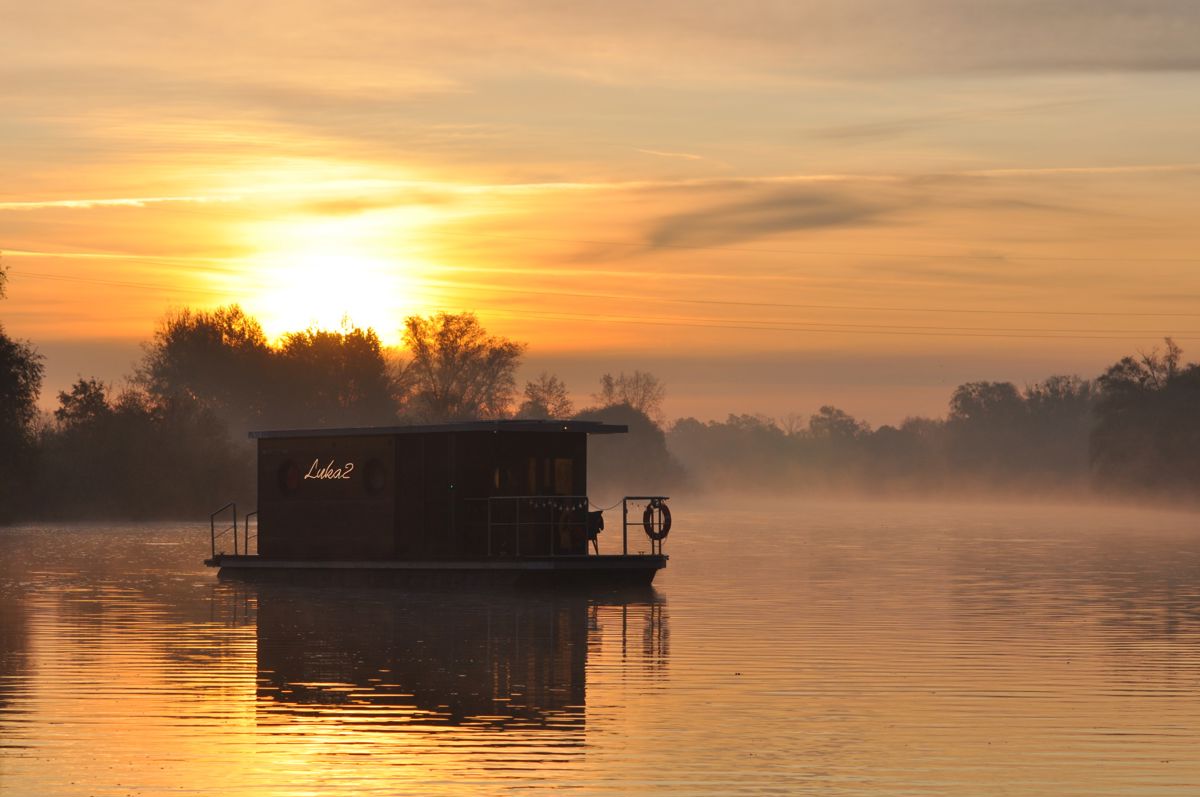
(557, 571)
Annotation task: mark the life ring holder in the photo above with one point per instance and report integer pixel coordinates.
(656, 520)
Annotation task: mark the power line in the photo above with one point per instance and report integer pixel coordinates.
(650, 246)
(794, 326)
(863, 330)
(868, 308)
(114, 283)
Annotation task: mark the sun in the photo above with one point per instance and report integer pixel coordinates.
(327, 289)
(325, 273)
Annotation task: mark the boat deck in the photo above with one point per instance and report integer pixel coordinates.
(589, 570)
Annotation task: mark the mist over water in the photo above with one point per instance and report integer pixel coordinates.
(836, 647)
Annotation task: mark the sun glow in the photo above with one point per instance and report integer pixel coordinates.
(325, 273)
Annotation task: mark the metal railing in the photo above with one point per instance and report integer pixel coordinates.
(517, 525)
(655, 520)
(214, 534)
(532, 525)
(246, 534)
(558, 525)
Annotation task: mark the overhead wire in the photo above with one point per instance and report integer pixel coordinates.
(721, 323)
(114, 283)
(797, 306)
(771, 326)
(650, 246)
(867, 329)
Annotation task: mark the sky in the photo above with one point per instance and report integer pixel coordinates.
(770, 205)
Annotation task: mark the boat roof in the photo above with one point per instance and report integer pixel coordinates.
(586, 427)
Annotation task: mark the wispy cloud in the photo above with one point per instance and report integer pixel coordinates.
(895, 126)
(120, 202)
(1164, 168)
(687, 156)
(346, 196)
(776, 212)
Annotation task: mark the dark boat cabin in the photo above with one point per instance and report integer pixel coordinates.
(478, 490)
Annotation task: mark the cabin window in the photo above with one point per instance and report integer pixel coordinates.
(532, 486)
(564, 472)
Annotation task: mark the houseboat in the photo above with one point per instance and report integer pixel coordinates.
(494, 502)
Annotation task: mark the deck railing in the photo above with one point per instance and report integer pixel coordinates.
(214, 535)
(556, 525)
(515, 526)
(654, 520)
(532, 525)
(246, 536)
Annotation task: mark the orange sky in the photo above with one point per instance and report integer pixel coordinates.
(771, 206)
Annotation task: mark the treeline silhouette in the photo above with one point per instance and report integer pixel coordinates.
(1133, 431)
(994, 436)
(171, 442)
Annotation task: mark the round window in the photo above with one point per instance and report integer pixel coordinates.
(289, 477)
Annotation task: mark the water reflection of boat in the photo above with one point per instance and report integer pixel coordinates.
(382, 656)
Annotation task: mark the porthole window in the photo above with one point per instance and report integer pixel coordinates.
(289, 477)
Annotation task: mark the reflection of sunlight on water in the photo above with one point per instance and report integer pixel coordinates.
(840, 648)
(438, 689)
(169, 680)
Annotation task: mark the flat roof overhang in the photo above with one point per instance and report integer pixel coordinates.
(587, 427)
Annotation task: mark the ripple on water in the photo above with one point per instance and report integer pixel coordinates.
(840, 648)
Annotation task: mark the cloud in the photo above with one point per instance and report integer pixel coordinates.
(631, 41)
(352, 205)
(119, 202)
(894, 127)
(777, 211)
(970, 271)
(687, 156)
(740, 210)
(1052, 171)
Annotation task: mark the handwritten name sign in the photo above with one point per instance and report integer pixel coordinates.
(319, 471)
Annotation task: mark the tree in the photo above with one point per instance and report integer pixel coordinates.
(987, 430)
(335, 378)
(457, 371)
(86, 404)
(1147, 432)
(617, 462)
(985, 403)
(793, 423)
(830, 423)
(1162, 368)
(21, 372)
(640, 390)
(1059, 395)
(217, 360)
(1058, 422)
(546, 397)
(134, 458)
(1146, 372)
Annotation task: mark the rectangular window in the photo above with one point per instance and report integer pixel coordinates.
(564, 476)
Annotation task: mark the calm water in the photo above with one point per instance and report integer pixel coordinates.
(811, 648)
